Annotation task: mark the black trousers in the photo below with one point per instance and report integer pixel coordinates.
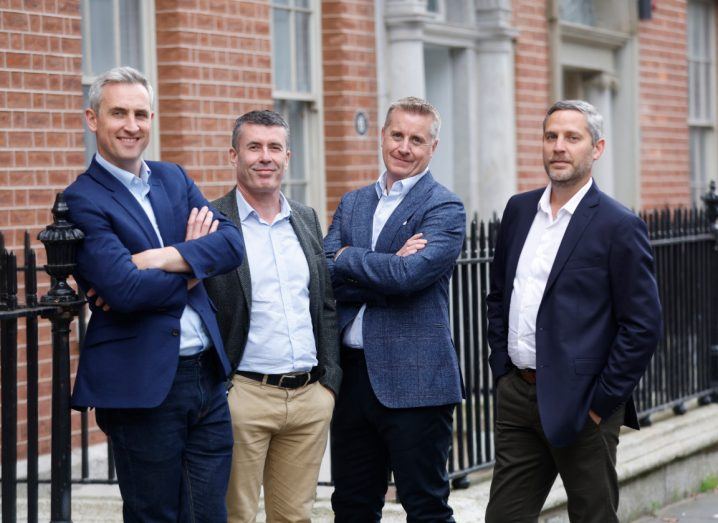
(527, 465)
(368, 440)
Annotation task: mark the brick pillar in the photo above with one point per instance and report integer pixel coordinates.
(533, 74)
(663, 86)
(214, 63)
(350, 85)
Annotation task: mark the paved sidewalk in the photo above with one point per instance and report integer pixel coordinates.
(702, 508)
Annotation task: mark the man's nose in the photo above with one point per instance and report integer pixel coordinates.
(131, 124)
(404, 146)
(265, 155)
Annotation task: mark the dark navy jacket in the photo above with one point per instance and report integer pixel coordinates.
(130, 354)
(599, 320)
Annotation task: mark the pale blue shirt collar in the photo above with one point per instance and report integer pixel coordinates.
(245, 210)
(125, 177)
(570, 206)
(402, 186)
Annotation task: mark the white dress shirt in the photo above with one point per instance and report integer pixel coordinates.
(532, 272)
(281, 337)
(193, 335)
(388, 202)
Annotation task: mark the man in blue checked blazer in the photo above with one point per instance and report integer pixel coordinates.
(152, 362)
(391, 250)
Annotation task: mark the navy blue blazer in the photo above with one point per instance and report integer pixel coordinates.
(599, 320)
(407, 338)
(130, 353)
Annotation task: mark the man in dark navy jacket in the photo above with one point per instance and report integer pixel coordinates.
(574, 319)
(152, 362)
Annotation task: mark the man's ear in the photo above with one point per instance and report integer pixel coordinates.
(233, 156)
(91, 119)
(598, 149)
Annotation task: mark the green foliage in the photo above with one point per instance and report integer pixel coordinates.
(710, 483)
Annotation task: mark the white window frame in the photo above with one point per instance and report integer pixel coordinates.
(313, 160)
(148, 56)
(704, 124)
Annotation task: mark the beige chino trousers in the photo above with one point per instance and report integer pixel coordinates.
(279, 441)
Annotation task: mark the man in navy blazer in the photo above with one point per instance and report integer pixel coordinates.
(391, 250)
(152, 363)
(574, 319)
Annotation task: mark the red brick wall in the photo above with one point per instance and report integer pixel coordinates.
(214, 63)
(349, 60)
(533, 73)
(41, 147)
(663, 85)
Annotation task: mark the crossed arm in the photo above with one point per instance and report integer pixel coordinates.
(200, 223)
(362, 275)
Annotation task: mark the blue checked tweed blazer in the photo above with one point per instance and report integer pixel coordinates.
(407, 338)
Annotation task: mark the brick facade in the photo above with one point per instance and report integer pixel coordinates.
(663, 93)
(213, 64)
(349, 61)
(41, 148)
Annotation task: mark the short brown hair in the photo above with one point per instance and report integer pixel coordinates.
(412, 104)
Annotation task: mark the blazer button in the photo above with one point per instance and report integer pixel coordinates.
(175, 332)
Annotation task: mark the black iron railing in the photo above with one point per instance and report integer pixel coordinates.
(685, 246)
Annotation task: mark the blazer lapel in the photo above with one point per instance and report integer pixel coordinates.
(228, 205)
(580, 219)
(163, 212)
(303, 236)
(362, 219)
(412, 201)
(124, 198)
(525, 220)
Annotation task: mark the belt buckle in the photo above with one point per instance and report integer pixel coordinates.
(307, 376)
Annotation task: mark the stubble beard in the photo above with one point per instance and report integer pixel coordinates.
(577, 176)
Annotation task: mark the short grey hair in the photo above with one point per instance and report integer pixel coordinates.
(118, 75)
(412, 104)
(264, 117)
(594, 120)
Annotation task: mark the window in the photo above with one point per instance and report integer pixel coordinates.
(295, 47)
(701, 93)
(578, 12)
(115, 33)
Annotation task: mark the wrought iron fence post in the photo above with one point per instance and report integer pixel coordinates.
(60, 240)
(710, 199)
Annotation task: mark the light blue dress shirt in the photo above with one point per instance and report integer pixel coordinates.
(388, 202)
(281, 337)
(193, 335)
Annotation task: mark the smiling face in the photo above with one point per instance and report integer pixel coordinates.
(406, 144)
(568, 151)
(122, 124)
(260, 158)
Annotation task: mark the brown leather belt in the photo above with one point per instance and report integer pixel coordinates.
(528, 375)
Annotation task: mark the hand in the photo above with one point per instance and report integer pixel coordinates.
(148, 259)
(412, 245)
(594, 417)
(200, 223)
(92, 297)
(339, 252)
(165, 258)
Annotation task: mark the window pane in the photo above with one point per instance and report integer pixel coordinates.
(301, 3)
(130, 34)
(432, 6)
(281, 51)
(295, 181)
(280, 2)
(304, 80)
(577, 11)
(102, 36)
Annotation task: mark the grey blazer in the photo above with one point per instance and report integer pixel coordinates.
(231, 293)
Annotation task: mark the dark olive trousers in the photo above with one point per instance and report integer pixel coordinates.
(527, 464)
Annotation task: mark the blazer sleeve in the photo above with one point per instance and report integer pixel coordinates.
(215, 253)
(443, 226)
(105, 264)
(497, 332)
(637, 310)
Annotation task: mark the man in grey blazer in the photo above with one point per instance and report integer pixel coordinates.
(391, 248)
(277, 319)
